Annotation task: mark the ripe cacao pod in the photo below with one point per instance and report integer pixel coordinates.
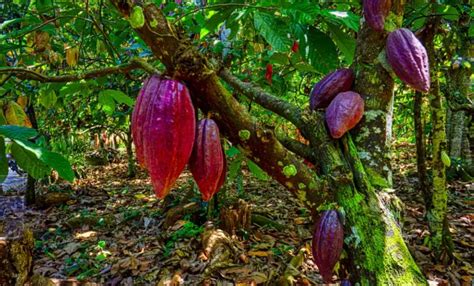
(207, 160)
(327, 243)
(375, 12)
(326, 89)
(408, 59)
(344, 112)
(147, 92)
(165, 125)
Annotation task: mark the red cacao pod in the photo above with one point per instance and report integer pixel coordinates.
(326, 89)
(375, 12)
(327, 243)
(207, 159)
(408, 59)
(344, 112)
(150, 86)
(165, 132)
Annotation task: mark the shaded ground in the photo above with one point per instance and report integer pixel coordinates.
(113, 231)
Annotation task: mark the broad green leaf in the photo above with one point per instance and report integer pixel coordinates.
(107, 102)
(318, 49)
(3, 161)
(29, 162)
(235, 167)
(17, 132)
(345, 43)
(279, 58)
(51, 159)
(273, 30)
(44, 5)
(47, 98)
(118, 96)
(345, 18)
(257, 171)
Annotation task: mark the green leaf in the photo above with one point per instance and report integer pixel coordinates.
(50, 159)
(345, 43)
(273, 31)
(107, 102)
(235, 167)
(318, 49)
(3, 161)
(348, 19)
(279, 58)
(47, 98)
(118, 96)
(17, 132)
(257, 171)
(29, 162)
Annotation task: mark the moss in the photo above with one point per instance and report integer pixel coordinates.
(244, 134)
(301, 196)
(290, 170)
(376, 180)
(301, 186)
(371, 115)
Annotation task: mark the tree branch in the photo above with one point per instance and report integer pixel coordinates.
(23, 73)
(268, 101)
(297, 147)
(184, 62)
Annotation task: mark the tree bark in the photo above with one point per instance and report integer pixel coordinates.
(440, 239)
(374, 134)
(423, 182)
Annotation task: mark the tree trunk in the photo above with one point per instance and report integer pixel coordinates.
(373, 135)
(423, 183)
(456, 132)
(378, 254)
(437, 215)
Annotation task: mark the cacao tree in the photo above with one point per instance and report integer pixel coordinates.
(241, 83)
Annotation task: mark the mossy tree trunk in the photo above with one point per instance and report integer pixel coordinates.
(423, 184)
(374, 135)
(437, 212)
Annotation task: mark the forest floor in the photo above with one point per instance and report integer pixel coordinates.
(113, 231)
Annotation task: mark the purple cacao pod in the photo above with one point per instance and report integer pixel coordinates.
(344, 112)
(375, 12)
(408, 59)
(327, 243)
(326, 89)
(207, 159)
(163, 130)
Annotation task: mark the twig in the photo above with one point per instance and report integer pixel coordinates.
(24, 73)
